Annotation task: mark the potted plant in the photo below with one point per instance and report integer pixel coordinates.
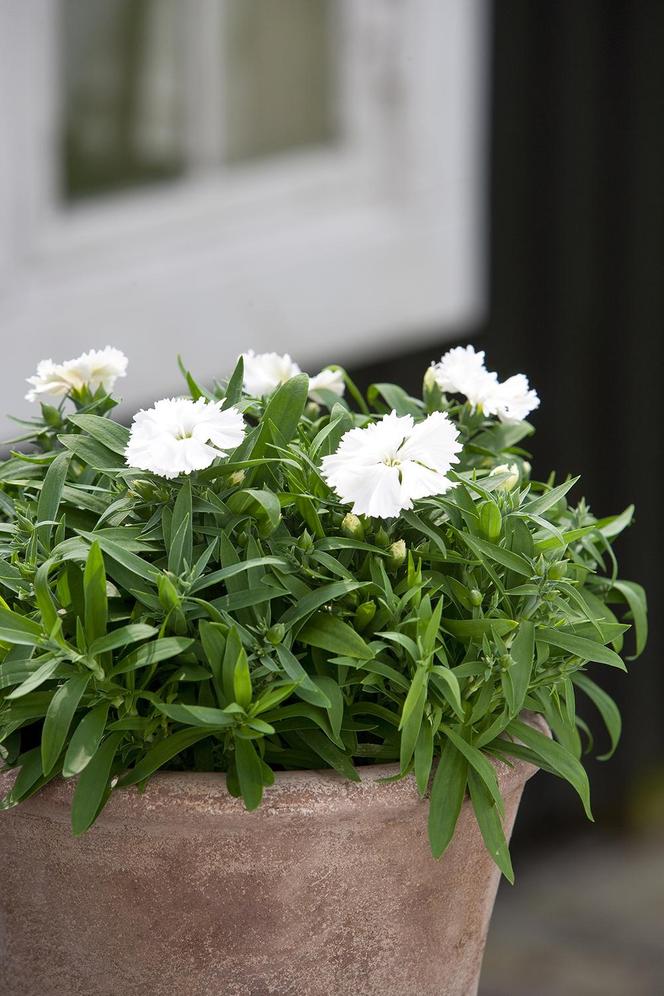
(276, 662)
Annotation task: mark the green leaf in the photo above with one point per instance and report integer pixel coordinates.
(92, 785)
(556, 757)
(152, 653)
(234, 388)
(506, 558)
(332, 755)
(332, 634)
(121, 637)
(96, 599)
(635, 596)
(396, 399)
(447, 795)
(85, 740)
(58, 719)
(242, 690)
(606, 707)
(181, 545)
(475, 629)
(320, 596)
(195, 715)
(51, 494)
(424, 756)
(262, 505)
(163, 752)
(305, 688)
(112, 435)
(580, 646)
(43, 673)
(249, 773)
(480, 763)
(489, 822)
(546, 501)
(522, 652)
(15, 628)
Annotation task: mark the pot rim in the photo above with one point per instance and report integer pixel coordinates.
(192, 796)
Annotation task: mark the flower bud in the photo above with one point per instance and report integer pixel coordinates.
(312, 410)
(305, 542)
(557, 570)
(430, 381)
(511, 481)
(381, 538)
(475, 597)
(237, 477)
(491, 521)
(275, 634)
(397, 554)
(352, 526)
(168, 594)
(364, 615)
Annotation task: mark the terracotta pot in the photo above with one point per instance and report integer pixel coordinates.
(329, 888)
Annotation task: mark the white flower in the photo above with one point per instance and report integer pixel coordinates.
(513, 399)
(327, 380)
(179, 435)
(461, 371)
(265, 372)
(384, 467)
(94, 369)
(511, 481)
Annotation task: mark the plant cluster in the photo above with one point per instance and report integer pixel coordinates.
(223, 609)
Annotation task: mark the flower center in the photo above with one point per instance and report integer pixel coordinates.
(392, 461)
(184, 435)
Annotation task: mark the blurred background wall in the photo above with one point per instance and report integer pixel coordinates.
(214, 175)
(370, 183)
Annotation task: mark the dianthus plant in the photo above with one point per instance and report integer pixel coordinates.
(278, 573)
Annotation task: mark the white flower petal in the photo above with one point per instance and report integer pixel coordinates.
(179, 435)
(264, 372)
(462, 371)
(382, 468)
(94, 369)
(513, 399)
(328, 380)
(418, 481)
(433, 442)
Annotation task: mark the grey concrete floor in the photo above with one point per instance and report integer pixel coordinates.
(584, 920)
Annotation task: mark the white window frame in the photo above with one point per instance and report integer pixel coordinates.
(331, 254)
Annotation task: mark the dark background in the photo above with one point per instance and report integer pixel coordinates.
(577, 302)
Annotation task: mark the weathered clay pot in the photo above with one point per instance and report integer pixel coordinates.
(329, 888)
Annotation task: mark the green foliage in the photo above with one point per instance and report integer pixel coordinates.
(242, 620)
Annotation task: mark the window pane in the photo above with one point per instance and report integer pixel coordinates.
(277, 75)
(156, 90)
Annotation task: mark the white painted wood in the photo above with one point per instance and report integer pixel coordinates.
(333, 254)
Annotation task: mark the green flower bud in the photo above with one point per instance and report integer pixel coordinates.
(557, 570)
(242, 538)
(506, 661)
(381, 538)
(305, 542)
(397, 554)
(237, 477)
(168, 593)
(364, 615)
(491, 521)
(312, 410)
(541, 566)
(275, 634)
(475, 597)
(352, 526)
